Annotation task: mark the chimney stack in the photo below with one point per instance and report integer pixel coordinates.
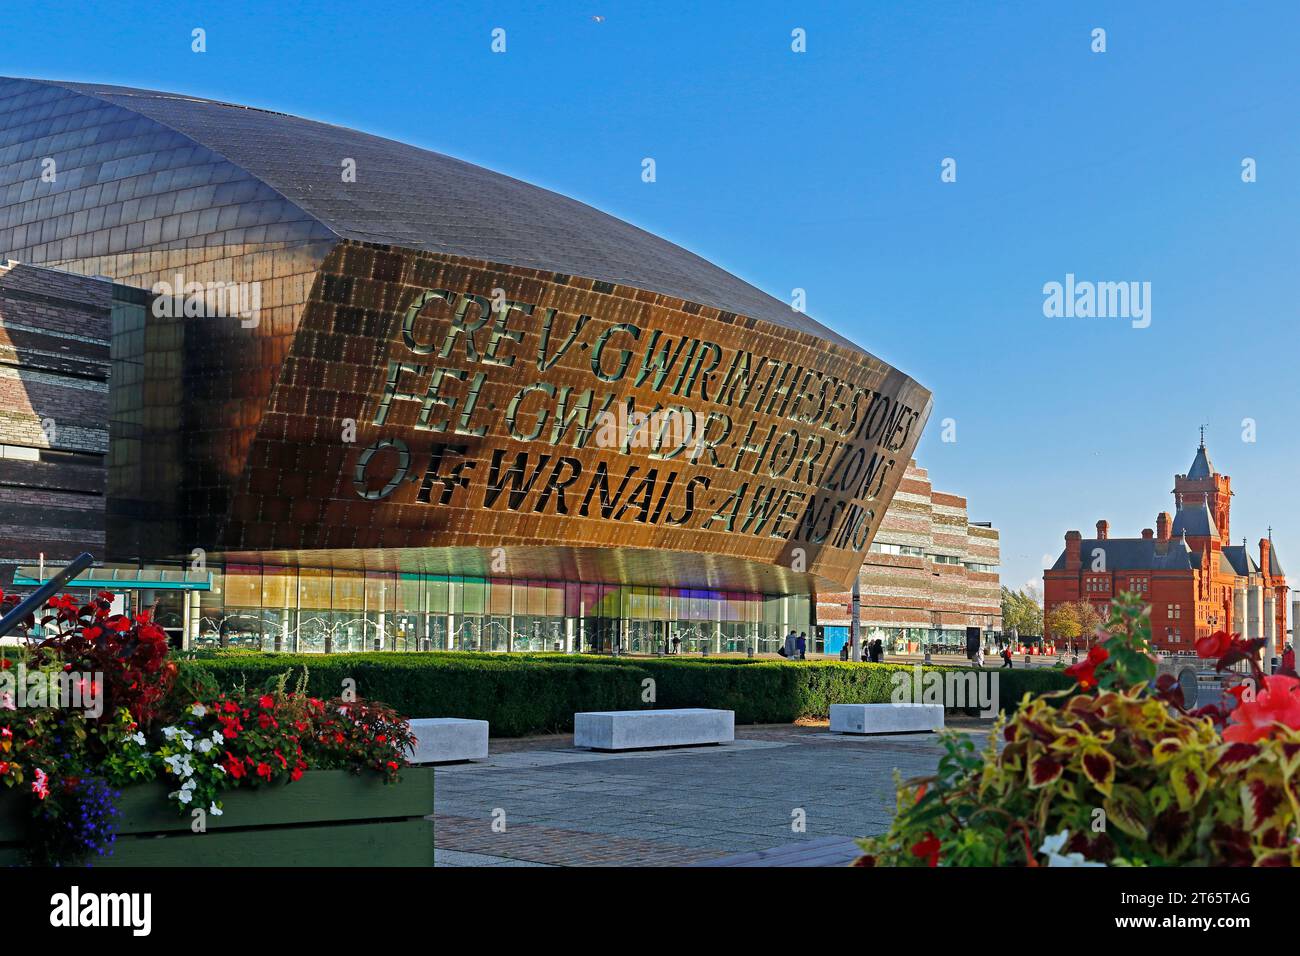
(1264, 546)
(1147, 534)
(1163, 523)
(1073, 545)
(1103, 530)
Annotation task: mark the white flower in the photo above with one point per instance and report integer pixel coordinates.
(217, 738)
(184, 796)
(180, 765)
(214, 810)
(1052, 846)
(188, 785)
(198, 710)
(204, 745)
(138, 737)
(170, 732)
(7, 701)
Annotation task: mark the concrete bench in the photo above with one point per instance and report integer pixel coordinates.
(448, 739)
(644, 729)
(885, 718)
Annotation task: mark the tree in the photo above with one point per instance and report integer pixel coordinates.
(1089, 620)
(1073, 620)
(1020, 611)
(1062, 622)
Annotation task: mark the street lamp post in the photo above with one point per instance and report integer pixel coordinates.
(855, 625)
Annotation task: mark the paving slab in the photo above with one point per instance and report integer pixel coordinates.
(691, 806)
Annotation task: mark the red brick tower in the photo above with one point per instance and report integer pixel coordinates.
(1203, 483)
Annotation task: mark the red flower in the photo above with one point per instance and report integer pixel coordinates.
(927, 849)
(1084, 672)
(40, 786)
(264, 770)
(1277, 702)
(296, 774)
(233, 765)
(1216, 645)
(64, 602)
(1097, 655)
(230, 707)
(266, 701)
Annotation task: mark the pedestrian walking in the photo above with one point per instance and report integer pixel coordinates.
(801, 645)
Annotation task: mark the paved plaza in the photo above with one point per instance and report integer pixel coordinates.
(733, 805)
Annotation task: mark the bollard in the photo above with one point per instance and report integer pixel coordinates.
(749, 649)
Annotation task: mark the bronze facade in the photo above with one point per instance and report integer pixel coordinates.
(411, 394)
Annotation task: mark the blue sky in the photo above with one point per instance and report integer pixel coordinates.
(822, 171)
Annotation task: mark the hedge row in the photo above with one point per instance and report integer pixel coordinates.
(517, 697)
(539, 693)
(779, 692)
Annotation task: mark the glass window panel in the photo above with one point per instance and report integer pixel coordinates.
(500, 600)
(243, 586)
(474, 596)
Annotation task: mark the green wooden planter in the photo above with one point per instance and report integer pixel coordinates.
(328, 818)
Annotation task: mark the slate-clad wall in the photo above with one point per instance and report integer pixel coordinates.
(54, 366)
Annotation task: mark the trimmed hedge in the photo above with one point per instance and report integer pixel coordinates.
(763, 692)
(539, 693)
(517, 697)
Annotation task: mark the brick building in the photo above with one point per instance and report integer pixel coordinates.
(929, 574)
(1195, 580)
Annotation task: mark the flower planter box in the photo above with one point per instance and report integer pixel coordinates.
(328, 818)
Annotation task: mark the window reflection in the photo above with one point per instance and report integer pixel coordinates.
(316, 611)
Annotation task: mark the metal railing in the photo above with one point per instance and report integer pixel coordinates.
(30, 604)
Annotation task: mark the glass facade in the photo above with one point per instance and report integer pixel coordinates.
(905, 640)
(310, 610)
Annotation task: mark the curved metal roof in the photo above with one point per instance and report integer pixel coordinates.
(414, 198)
